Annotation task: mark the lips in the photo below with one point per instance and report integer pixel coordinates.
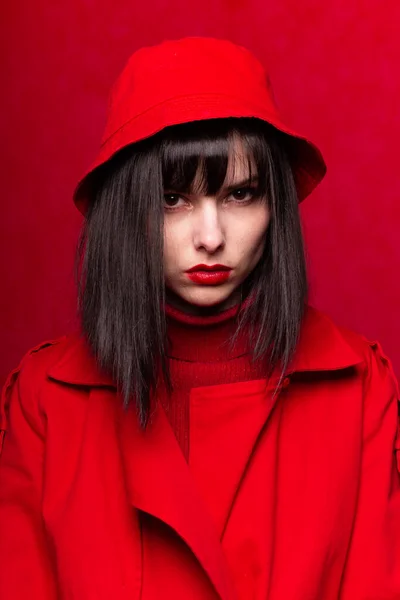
(209, 274)
(208, 268)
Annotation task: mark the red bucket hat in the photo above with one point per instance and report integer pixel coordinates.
(193, 79)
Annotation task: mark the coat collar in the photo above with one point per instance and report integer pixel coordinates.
(322, 347)
(169, 492)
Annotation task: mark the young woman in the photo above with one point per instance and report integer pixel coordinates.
(207, 435)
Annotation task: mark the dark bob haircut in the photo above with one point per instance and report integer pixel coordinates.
(120, 254)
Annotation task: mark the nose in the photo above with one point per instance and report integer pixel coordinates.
(208, 233)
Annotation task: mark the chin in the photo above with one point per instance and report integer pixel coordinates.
(204, 300)
(207, 302)
(211, 298)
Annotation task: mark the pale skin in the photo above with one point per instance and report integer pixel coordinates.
(228, 229)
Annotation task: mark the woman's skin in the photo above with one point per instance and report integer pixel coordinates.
(227, 229)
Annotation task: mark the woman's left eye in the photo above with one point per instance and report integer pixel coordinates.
(172, 201)
(243, 194)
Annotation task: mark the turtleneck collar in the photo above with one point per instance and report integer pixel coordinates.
(204, 339)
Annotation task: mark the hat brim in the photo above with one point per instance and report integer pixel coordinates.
(306, 160)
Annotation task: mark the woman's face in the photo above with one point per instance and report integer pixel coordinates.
(225, 231)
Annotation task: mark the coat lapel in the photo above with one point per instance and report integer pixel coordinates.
(160, 483)
(157, 476)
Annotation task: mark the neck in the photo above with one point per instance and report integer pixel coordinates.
(204, 338)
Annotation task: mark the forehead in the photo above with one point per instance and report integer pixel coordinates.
(241, 163)
(208, 162)
(239, 166)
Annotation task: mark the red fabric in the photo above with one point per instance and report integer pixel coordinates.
(193, 79)
(97, 508)
(200, 355)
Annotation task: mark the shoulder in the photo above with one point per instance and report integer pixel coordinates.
(27, 378)
(368, 355)
(36, 361)
(324, 327)
(326, 346)
(65, 360)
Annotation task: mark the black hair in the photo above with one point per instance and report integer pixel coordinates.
(120, 254)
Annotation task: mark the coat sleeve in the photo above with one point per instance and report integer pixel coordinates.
(26, 569)
(373, 564)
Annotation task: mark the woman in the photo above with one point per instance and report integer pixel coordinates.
(206, 435)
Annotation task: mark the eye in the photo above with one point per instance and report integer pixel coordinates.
(172, 201)
(243, 194)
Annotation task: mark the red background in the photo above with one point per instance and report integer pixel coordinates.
(335, 69)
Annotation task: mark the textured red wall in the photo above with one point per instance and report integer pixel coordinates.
(335, 68)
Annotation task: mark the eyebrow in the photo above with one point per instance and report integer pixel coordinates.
(227, 189)
(240, 184)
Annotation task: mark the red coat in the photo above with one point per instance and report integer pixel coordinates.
(92, 508)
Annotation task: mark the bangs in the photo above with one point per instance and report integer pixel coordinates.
(195, 156)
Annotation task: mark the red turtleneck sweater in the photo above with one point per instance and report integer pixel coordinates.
(200, 355)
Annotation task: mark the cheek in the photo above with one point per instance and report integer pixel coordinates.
(253, 240)
(172, 244)
(168, 252)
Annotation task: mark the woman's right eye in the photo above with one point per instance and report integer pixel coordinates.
(172, 200)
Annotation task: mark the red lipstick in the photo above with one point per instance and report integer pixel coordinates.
(209, 274)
